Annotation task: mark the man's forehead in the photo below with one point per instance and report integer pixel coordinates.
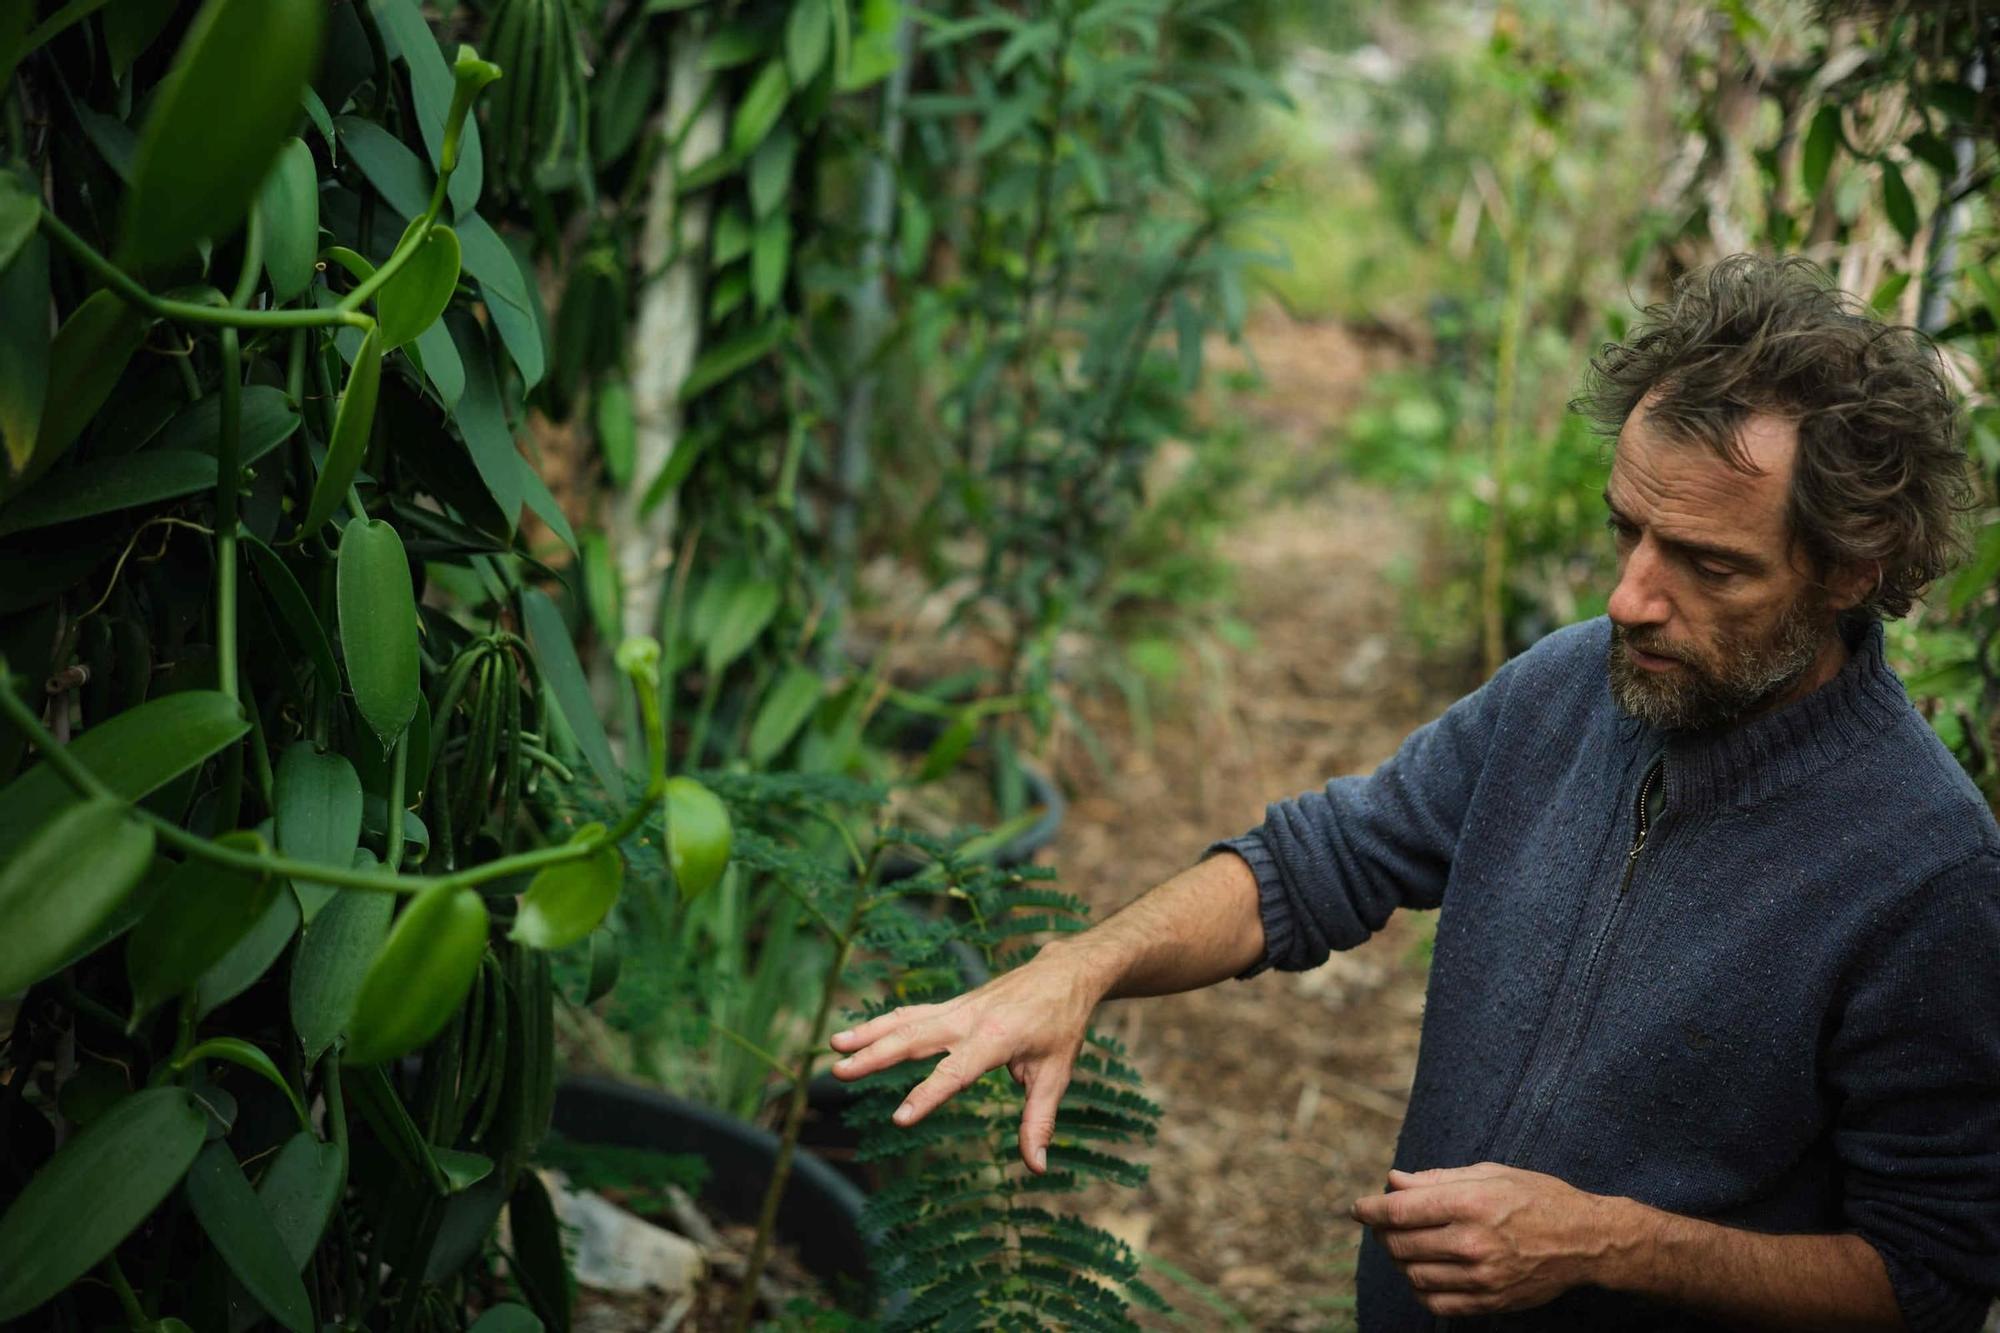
(1687, 482)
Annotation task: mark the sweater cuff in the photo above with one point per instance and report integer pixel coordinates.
(1930, 1302)
(1271, 904)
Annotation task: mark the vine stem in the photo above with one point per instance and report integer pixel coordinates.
(89, 785)
(795, 1112)
(134, 1312)
(187, 312)
(228, 472)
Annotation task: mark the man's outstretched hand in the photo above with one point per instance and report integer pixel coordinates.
(1032, 1020)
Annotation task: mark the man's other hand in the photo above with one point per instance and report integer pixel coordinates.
(1488, 1238)
(1032, 1020)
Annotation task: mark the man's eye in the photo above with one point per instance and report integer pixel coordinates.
(1622, 531)
(1713, 573)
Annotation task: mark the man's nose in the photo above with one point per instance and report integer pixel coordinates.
(1640, 601)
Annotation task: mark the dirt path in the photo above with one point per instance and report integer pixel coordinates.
(1283, 1094)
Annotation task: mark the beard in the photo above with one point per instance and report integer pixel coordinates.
(1712, 688)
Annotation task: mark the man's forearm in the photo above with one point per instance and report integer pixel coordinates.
(1760, 1281)
(1198, 928)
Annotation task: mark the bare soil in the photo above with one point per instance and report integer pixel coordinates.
(1283, 1094)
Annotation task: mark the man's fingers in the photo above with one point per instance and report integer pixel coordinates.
(916, 1043)
(954, 1073)
(880, 1026)
(1445, 1277)
(1417, 1206)
(1447, 1244)
(1038, 1119)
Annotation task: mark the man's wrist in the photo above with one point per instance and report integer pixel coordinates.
(1620, 1234)
(1093, 963)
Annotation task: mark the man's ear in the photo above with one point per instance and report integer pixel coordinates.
(1848, 585)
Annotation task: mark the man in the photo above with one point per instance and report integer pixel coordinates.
(1713, 1031)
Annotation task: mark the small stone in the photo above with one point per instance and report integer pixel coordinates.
(618, 1251)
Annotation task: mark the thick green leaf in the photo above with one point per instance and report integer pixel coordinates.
(289, 208)
(732, 611)
(784, 710)
(130, 26)
(555, 657)
(507, 1319)
(297, 613)
(687, 451)
(1005, 121)
(1816, 156)
(251, 958)
(421, 976)
(760, 108)
(544, 506)
(267, 419)
(92, 1194)
(88, 355)
(1898, 204)
(730, 240)
(482, 420)
(605, 960)
(622, 101)
(600, 585)
(200, 913)
(378, 626)
(24, 344)
(719, 362)
(332, 961)
(732, 45)
(246, 1055)
(316, 813)
(20, 211)
(540, 1268)
(462, 1170)
(72, 874)
(771, 172)
(408, 38)
(808, 36)
(509, 298)
(948, 749)
(412, 300)
(241, 1231)
(133, 754)
(108, 486)
(437, 356)
(617, 432)
(299, 1191)
(352, 424)
(770, 255)
(566, 901)
(1978, 573)
(397, 174)
(699, 836)
(216, 121)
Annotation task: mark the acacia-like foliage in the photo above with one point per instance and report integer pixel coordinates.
(964, 1234)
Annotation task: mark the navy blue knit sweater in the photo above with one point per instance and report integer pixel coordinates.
(1787, 1020)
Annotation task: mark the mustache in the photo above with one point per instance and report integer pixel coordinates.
(1651, 645)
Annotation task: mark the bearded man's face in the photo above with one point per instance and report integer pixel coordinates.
(1726, 680)
(1714, 619)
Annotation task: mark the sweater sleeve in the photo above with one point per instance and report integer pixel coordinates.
(1332, 864)
(1914, 1064)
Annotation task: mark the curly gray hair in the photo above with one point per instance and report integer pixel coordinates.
(1881, 476)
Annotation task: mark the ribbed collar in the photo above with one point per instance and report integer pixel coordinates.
(1745, 764)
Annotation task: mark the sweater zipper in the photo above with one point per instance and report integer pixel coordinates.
(1641, 826)
(1586, 989)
